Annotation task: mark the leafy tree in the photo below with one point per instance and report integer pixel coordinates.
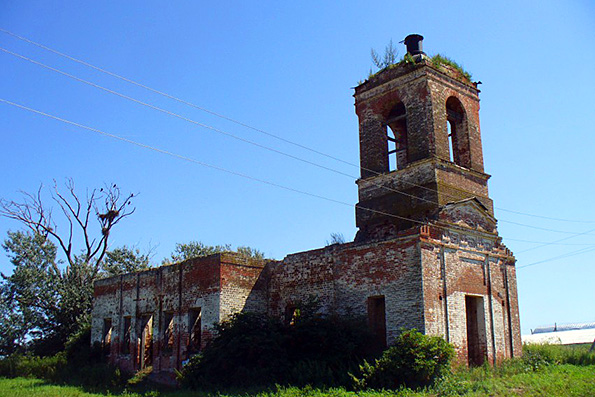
(196, 249)
(50, 298)
(28, 295)
(125, 260)
(250, 252)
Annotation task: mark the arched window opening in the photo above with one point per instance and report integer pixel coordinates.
(397, 137)
(456, 126)
(451, 145)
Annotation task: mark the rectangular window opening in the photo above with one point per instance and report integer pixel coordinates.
(145, 341)
(106, 340)
(194, 331)
(126, 335)
(168, 332)
(377, 320)
(291, 313)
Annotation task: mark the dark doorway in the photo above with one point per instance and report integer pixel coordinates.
(377, 321)
(476, 331)
(145, 341)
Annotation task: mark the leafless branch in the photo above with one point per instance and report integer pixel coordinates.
(107, 203)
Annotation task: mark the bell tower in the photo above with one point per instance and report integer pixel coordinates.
(420, 143)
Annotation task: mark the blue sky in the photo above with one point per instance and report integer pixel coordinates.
(288, 68)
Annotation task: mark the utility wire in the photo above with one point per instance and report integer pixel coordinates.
(233, 136)
(175, 98)
(192, 160)
(255, 128)
(573, 253)
(243, 139)
(556, 241)
(249, 177)
(549, 242)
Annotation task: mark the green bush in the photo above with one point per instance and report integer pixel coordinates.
(257, 350)
(414, 360)
(558, 354)
(248, 349)
(48, 368)
(80, 364)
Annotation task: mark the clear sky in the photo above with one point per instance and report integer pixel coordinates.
(288, 68)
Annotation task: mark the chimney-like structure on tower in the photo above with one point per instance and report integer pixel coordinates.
(414, 44)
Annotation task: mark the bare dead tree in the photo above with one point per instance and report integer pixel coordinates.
(91, 219)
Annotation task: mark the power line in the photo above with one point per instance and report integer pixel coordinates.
(243, 139)
(258, 129)
(573, 253)
(556, 241)
(233, 136)
(237, 137)
(192, 160)
(249, 177)
(543, 217)
(204, 125)
(175, 98)
(550, 242)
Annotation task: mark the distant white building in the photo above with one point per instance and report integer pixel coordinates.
(567, 334)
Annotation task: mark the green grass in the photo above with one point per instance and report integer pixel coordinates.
(546, 370)
(438, 60)
(28, 387)
(552, 380)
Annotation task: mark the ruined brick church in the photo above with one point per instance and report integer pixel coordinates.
(427, 254)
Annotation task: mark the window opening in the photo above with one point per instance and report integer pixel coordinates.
(106, 340)
(451, 146)
(291, 314)
(127, 331)
(377, 321)
(168, 332)
(456, 126)
(145, 341)
(194, 331)
(396, 136)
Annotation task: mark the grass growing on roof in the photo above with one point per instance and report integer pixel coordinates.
(439, 60)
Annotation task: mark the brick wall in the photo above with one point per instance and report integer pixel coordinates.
(343, 277)
(217, 286)
(451, 276)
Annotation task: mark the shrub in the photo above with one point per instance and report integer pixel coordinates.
(78, 364)
(248, 350)
(257, 350)
(558, 354)
(79, 351)
(414, 360)
(48, 368)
